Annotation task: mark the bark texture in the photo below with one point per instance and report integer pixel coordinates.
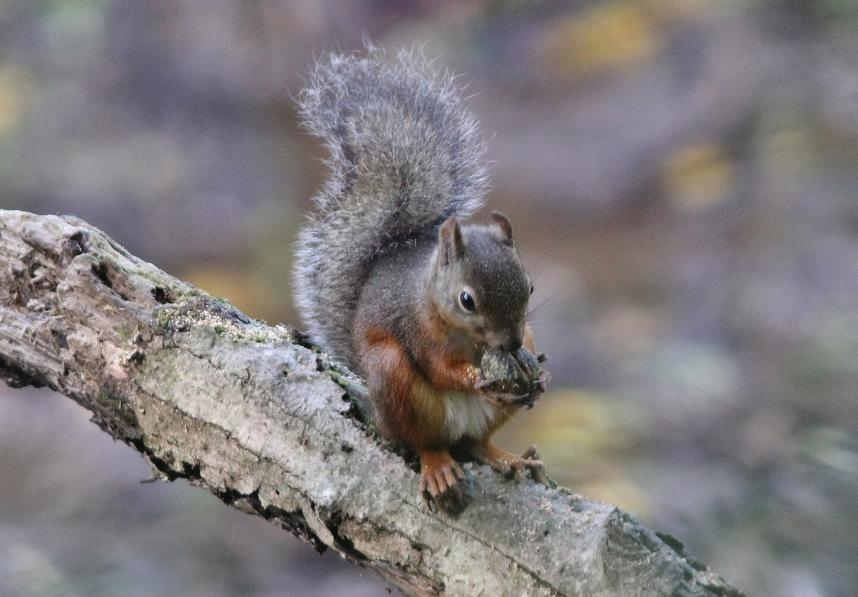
(273, 427)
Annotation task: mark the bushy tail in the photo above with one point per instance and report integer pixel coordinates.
(404, 156)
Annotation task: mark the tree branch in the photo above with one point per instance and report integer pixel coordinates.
(261, 419)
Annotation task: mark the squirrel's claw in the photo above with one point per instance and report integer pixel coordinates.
(529, 399)
(539, 387)
(500, 399)
(482, 383)
(536, 468)
(440, 488)
(532, 462)
(483, 386)
(529, 461)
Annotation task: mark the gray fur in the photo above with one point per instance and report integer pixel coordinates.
(404, 156)
(491, 272)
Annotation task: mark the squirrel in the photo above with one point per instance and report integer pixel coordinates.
(392, 282)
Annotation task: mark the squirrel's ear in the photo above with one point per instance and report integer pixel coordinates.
(450, 240)
(504, 226)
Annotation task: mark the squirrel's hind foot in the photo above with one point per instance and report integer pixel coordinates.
(441, 482)
(512, 466)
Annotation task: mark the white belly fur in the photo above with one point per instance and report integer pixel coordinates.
(467, 416)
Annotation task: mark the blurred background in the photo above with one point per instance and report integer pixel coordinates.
(683, 178)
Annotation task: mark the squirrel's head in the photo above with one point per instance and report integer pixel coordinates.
(478, 283)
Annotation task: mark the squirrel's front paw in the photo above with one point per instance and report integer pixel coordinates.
(511, 378)
(500, 398)
(486, 389)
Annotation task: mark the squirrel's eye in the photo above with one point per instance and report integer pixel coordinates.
(467, 301)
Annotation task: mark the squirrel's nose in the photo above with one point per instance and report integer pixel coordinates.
(508, 340)
(513, 342)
